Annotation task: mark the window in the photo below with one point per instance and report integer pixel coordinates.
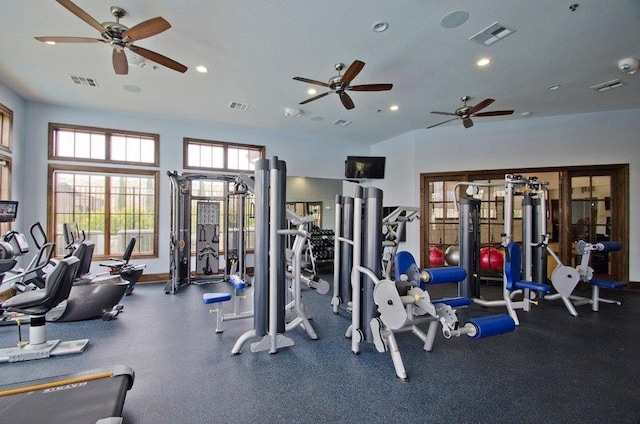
(219, 156)
(110, 205)
(6, 123)
(5, 188)
(97, 144)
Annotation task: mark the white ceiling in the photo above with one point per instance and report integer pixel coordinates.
(253, 49)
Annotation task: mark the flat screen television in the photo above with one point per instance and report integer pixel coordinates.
(364, 167)
(8, 210)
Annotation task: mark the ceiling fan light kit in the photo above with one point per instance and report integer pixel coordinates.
(342, 82)
(466, 112)
(120, 37)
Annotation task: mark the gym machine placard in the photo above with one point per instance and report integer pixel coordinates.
(207, 238)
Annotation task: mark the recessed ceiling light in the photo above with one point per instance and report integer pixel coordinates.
(51, 43)
(380, 26)
(525, 113)
(554, 87)
(393, 108)
(312, 91)
(483, 62)
(202, 69)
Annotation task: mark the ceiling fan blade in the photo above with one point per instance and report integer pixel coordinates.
(443, 122)
(352, 71)
(445, 113)
(73, 8)
(370, 87)
(314, 98)
(147, 29)
(494, 113)
(158, 58)
(310, 81)
(120, 64)
(467, 122)
(346, 100)
(480, 106)
(69, 40)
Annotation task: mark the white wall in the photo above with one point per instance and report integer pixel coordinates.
(304, 189)
(598, 138)
(301, 155)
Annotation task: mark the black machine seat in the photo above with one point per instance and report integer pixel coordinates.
(128, 272)
(57, 288)
(117, 265)
(6, 265)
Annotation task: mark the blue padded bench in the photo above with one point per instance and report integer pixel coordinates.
(218, 298)
(209, 298)
(612, 285)
(237, 282)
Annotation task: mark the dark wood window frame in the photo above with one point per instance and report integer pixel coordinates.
(225, 146)
(6, 125)
(51, 229)
(97, 167)
(108, 132)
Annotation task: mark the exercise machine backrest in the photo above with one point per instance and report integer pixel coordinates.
(129, 250)
(403, 260)
(57, 289)
(84, 252)
(512, 265)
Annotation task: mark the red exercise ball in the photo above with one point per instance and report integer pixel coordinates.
(436, 256)
(491, 258)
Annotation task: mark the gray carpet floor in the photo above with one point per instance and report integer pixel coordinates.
(553, 368)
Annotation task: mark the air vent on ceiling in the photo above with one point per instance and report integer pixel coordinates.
(608, 85)
(238, 105)
(342, 122)
(492, 34)
(84, 81)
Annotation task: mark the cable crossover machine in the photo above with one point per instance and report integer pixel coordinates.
(204, 232)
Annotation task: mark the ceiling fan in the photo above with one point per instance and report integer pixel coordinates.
(466, 112)
(120, 37)
(341, 83)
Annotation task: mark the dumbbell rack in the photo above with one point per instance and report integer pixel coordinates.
(321, 249)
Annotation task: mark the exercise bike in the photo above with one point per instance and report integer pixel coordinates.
(94, 296)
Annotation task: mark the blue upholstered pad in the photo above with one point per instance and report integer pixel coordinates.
(613, 285)
(403, 260)
(512, 266)
(237, 282)
(493, 325)
(454, 302)
(215, 297)
(544, 288)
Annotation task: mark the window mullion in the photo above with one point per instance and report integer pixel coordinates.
(107, 216)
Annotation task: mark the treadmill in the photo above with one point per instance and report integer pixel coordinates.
(95, 396)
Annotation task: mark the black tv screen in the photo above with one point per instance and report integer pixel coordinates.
(8, 210)
(364, 167)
